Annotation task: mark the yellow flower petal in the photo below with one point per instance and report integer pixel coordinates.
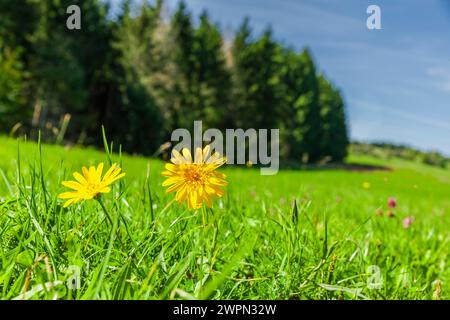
(90, 184)
(174, 187)
(72, 185)
(71, 201)
(68, 195)
(177, 158)
(172, 180)
(100, 169)
(105, 190)
(206, 152)
(115, 178)
(187, 155)
(218, 182)
(195, 182)
(110, 170)
(85, 173)
(181, 194)
(171, 167)
(198, 156)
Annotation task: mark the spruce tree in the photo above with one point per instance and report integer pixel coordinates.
(212, 78)
(138, 124)
(334, 141)
(311, 125)
(301, 111)
(256, 80)
(182, 36)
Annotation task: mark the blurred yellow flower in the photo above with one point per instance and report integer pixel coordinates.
(195, 181)
(366, 185)
(90, 184)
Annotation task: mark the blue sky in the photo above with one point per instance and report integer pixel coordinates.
(396, 81)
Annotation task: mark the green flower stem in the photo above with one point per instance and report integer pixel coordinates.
(202, 242)
(104, 210)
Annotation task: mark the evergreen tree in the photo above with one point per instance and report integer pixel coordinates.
(239, 75)
(182, 35)
(143, 76)
(211, 79)
(12, 104)
(311, 125)
(201, 78)
(136, 121)
(302, 121)
(257, 89)
(18, 21)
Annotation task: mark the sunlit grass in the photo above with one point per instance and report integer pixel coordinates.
(255, 245)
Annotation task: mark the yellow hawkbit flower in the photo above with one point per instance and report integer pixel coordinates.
(195, 181)
(90, 184)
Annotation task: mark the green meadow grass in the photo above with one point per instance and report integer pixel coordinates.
(256, 244)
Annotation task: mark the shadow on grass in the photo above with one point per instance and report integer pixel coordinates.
(351, 166)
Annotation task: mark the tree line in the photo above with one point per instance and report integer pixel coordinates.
(387, 151)
(142, 73)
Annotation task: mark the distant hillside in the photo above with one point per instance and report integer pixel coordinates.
(388, 150)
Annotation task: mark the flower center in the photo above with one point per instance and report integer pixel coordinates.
(92, 188)
(195, 175)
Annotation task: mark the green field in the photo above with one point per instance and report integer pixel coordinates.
(255, 245)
